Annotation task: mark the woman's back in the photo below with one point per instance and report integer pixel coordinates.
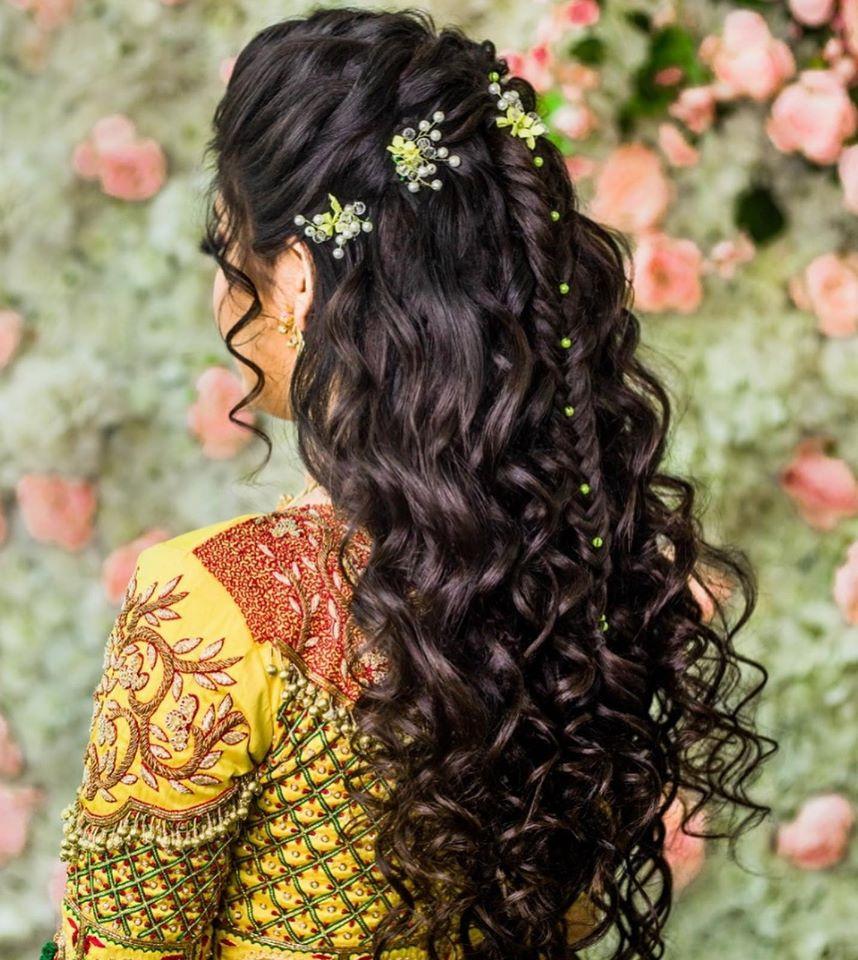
(245, 725)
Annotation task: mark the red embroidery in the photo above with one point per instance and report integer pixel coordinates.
(282, 571)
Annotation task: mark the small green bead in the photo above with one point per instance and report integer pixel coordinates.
(566, 343)
(568, 411)
(538, 161)
(597, 541)
(494, 76)
(555, 215)
(604, 623)
(584, 488)
(564, 288)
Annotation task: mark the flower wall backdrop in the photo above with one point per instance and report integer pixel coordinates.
(720, 136)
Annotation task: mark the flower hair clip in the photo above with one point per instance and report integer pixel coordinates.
(343, 223)
(415, 152)
(527, 125)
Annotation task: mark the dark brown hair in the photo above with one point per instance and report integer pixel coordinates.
(553, 682)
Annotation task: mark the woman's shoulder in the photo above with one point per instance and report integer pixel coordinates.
(281, 571)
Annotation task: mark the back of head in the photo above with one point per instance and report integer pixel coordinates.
(471, 393)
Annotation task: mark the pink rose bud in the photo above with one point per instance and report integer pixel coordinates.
(823, 488)
(218, 391)
(56, 509)
(846, 586)
(675, 147)
(819, 835)
(695, 107)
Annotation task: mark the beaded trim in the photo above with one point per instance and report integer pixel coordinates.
(81, 834)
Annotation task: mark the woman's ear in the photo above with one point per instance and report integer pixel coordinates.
(303, 291)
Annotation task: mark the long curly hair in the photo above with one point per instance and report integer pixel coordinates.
(559, 634)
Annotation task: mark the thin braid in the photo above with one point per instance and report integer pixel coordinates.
(542, 203)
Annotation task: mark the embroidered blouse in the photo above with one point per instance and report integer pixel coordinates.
(212, 818)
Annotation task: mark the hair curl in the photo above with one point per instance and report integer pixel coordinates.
(530, 752)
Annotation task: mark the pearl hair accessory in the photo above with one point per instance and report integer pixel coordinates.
(415, 152)
(526, 125)
(342, 222)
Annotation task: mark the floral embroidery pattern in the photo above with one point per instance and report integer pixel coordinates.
(282, 571)
(154, 673)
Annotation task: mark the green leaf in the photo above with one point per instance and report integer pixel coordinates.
(759, 214)
(589, 50)
(640, 19)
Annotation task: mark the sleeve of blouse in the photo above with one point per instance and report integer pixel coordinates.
(182, 720)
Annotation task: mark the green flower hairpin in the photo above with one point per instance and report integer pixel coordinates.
(527, 125)
(415, 152)
(343, 223)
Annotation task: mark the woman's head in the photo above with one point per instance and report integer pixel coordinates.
(470, 392)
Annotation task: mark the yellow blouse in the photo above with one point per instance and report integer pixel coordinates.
(212, 818)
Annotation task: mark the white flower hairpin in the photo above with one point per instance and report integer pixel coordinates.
(342, 222)
(415, 153)
(527, 125)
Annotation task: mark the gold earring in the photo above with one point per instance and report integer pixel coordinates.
(286, 324)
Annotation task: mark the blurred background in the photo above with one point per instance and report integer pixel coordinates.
(720, 136)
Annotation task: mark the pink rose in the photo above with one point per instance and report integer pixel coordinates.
(813, 116)
(695, 107)
(727, 255)
(17, 805)
(534, 65)
(812, 13)
(823, 488)
(576, 120)
(819, 835)
(580, 13)
(11, 758)
(829, 288)
(632, 192)
(847, 169)
(675, 147)
(119, 565)
(219, 390)
(56, 509)
(11, 324)
(747, 60)
(667, 274)
(684, 853)
(560, 18)
(135, 172)
(128, 167)
(846, 586)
